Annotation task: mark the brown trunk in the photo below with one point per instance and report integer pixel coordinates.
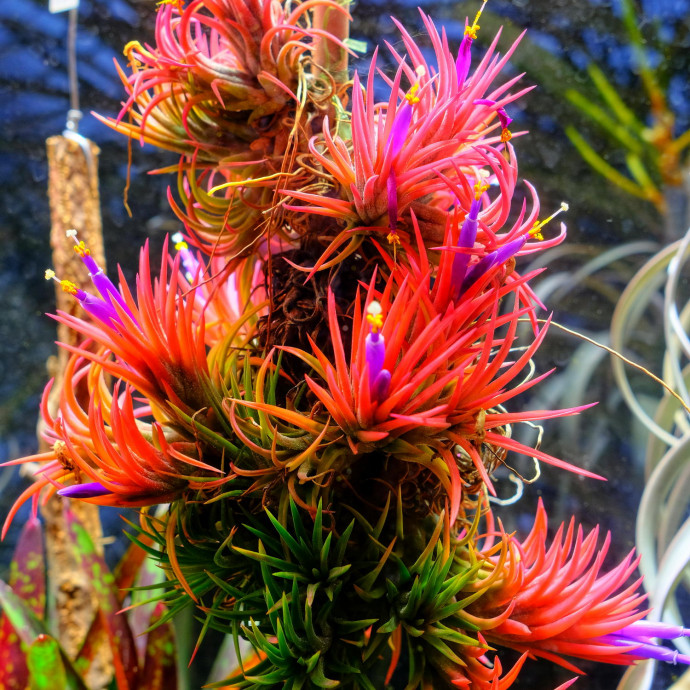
(74, 203)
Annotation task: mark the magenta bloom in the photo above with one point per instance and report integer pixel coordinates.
(407, 151)
(556, 601)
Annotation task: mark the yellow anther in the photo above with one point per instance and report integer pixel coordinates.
(68, 286)
(394, 239)
(181, 245)
(506, 135)
(174, 3)
(479, 188)
(538, 225)
(411, 95)
(471, 30)
(375, 316)
(81, 249)
(536, 231)
(79, 245)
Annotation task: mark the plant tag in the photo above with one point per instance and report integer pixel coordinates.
(56, 6)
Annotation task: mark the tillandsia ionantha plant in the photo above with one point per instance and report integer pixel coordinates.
(317, 387)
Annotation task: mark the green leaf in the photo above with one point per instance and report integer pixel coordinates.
(341, 544)
(347, 627)
(335, 573)
(317, 531)
(312, 661)
(29, 630)
(27, 579)
(46, 669)
(301, 552)
(440, 646)
(641, 176)
(609, 93)
(23, 621)
(319, 679)
(388, 627)
(264, 558)
(601, 166)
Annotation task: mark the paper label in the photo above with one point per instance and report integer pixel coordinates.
(56, 6)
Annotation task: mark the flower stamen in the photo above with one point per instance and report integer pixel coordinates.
(538, 225)
(100, 280)
(471, 30)
(96, 307)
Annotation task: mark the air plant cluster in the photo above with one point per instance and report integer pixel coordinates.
(316, 387)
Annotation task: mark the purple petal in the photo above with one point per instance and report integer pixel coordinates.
(381, 385)
(98, 308)
(478, 270)
(468, 231)
(375, 353)
(84, 491)
(504, 118)
(510, 249)
(647, 650)
(495, 258)
(462, 64)
(392, 189)
(109, 292)
(399, 130)
(102, 283)
(467, 238)
(90, 263)
(644, 629)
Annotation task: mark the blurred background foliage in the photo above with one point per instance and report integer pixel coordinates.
(591, 63)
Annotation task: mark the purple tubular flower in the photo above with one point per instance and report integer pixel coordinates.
(189, 261)
(647, 650)
(382, 382)
(90, 490)
(100, 280)
(642, 634)
(499, 256)
(462, 64)
(98, 308)
(375, 352)
(464, 59)
(466, 240)
(400, 128)
(105, 286)
(649, 629)
(392, 189)
(503, 116)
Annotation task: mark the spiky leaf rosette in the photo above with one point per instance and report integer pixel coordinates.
(327, 447)
(555, 601)
(225, 85)
(325, 599)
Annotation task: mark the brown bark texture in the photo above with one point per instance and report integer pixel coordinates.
(74, 203)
